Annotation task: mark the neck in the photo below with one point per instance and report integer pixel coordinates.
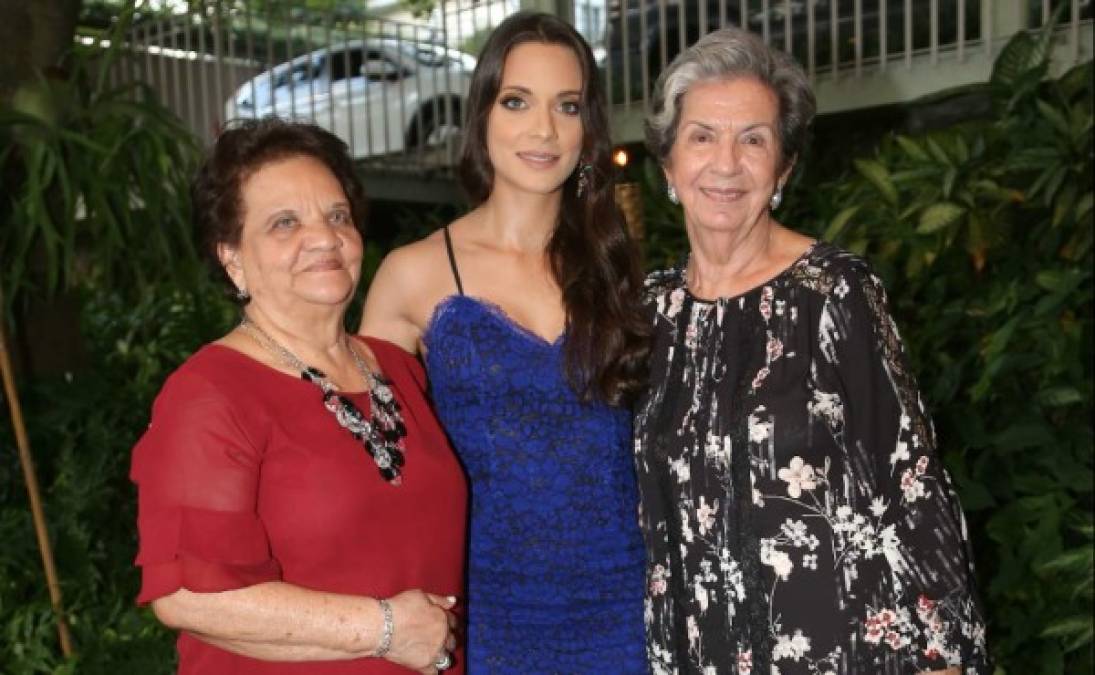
(521, 221)
(315, 342)
(721, 260)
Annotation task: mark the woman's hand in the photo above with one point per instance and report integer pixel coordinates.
(424, 627)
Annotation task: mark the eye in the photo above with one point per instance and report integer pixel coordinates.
(701, 137)
(754, 139)
(571, 108)
(284, 222)
(513, 103)
(341, 217)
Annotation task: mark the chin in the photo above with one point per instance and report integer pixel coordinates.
(537, 183)
(327, 296)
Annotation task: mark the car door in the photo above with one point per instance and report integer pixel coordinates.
(372, 114)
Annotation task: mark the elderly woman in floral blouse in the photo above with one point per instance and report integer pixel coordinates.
(796, 513)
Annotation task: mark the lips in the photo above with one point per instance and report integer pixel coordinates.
(723, 194)
(327, 265)
(539, 159)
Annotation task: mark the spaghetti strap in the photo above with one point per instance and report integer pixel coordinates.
(452, 260)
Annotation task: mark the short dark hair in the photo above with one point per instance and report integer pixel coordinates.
(243, 148)
(593, 259)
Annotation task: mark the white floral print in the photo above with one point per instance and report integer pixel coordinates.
(850, 543)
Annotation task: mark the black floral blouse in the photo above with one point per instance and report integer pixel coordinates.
(796, 514)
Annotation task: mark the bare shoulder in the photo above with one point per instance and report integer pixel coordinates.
(411, 280)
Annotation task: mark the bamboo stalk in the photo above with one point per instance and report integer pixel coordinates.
(31, 479)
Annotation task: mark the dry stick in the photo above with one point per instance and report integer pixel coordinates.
(32, 490)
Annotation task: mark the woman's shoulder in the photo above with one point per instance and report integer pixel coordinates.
(829, 270)
(212, 368)
(663, 281)
(396, 363)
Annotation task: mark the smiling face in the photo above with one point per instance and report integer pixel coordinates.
(534, 131)
(725, 163)
(298, 245)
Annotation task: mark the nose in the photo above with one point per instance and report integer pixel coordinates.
(321, 234)
(726, 156)
(543, 125)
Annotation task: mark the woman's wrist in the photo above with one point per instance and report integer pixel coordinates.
(387, 629)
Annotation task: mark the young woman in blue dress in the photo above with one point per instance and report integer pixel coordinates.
(526, 313)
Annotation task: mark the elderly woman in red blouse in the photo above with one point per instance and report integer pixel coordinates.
(300, 510)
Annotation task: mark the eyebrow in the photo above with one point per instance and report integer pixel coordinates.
(709, 127)
(528, 92)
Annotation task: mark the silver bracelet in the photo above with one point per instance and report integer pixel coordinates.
(389, 630)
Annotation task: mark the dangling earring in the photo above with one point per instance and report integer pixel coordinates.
(584, 170)
(777, 198)
(672, 194)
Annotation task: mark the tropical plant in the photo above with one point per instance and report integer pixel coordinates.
(97, 178)
(95, 206)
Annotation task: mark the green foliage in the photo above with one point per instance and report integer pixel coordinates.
(95, 203)
(93, 173)
(82, 428)
(983, 233)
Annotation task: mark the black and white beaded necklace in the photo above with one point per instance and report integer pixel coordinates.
(382, 434)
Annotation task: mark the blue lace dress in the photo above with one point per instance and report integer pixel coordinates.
(556, 560)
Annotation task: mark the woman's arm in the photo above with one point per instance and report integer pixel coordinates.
(206, 563)
(281, 622)
(920, 527)
(392, 293)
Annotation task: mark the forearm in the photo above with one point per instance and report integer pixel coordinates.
(278, 616)
(268, 651)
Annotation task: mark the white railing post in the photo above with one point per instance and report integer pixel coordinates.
(1006, 18)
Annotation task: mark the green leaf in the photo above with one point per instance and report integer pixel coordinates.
(938, 216)
(1078, 627)
(1079, 559)
(879, 176)
(937, 152)
(949, 177)
(1059, 281)
(1014, 59)
(1024, 435)
(1055, 117)
(836, 226)
(1083, 206)
(911, 148)
(1055, 397)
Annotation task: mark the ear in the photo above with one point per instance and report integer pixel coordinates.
(229, 257)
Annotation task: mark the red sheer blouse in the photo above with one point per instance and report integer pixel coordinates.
(244, 477)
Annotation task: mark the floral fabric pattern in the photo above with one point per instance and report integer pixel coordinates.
(796, 515)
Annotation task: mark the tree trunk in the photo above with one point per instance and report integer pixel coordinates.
(35, 36)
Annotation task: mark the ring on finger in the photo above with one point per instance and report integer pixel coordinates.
(443, 661)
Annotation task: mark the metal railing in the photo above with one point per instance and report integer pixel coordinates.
(394, 89)
(832, 39)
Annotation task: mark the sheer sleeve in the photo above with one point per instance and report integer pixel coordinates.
(936, 619)
(197, 476)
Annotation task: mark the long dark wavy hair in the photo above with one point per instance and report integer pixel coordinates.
(593, 258)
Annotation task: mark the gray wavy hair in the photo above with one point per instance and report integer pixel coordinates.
(727, 54)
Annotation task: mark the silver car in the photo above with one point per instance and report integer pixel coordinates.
(380, 95)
